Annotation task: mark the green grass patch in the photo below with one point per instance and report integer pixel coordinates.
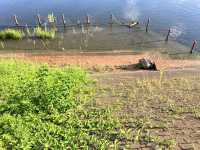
(44, 107)
(11, 34)
(50, 108)
(44, 34)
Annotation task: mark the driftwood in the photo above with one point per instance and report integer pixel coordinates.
(146, 64)
(131, 24)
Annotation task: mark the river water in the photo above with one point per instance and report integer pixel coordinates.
(183, 16)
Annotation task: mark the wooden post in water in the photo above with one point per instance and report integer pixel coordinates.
(78, 23)
(168, 34)
(111, 21)
(147, 25)
(87, 22)
(39, 20)
(193, 46)
(64, 21)
(55, 22)
(16, 20)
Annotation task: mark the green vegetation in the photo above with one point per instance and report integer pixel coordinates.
(11, 34)
(14, 34)
(50, 108)
(44, 107)
(44, 34)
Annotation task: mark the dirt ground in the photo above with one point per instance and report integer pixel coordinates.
(101, 59)
(185, 128)
(172, 110)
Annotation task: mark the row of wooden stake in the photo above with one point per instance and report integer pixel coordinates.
(194, 44)
(88, 23)
(39, 22)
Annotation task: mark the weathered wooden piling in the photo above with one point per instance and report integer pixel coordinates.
(55, 21)
(78, 23)
(64, 21)
(87, 20)
(168, 34)
(194, 44)
(111, 21)
(39, 20)
(147, 25)
(16, 20)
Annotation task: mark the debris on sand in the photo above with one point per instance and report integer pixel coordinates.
(146, 64)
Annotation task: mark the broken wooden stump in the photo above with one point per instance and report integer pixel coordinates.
(146, 64)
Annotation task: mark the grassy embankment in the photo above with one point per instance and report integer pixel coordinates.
(43, 107)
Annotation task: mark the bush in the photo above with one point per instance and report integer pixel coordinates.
(42, 34)
(11, 34)
(48, 108)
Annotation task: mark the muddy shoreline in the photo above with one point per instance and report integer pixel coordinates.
(90, 59)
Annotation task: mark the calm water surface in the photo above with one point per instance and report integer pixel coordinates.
(183, 16)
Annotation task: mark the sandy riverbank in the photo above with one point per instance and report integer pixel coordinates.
(100, 59)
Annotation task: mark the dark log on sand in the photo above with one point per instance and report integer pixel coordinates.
(146, 64)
